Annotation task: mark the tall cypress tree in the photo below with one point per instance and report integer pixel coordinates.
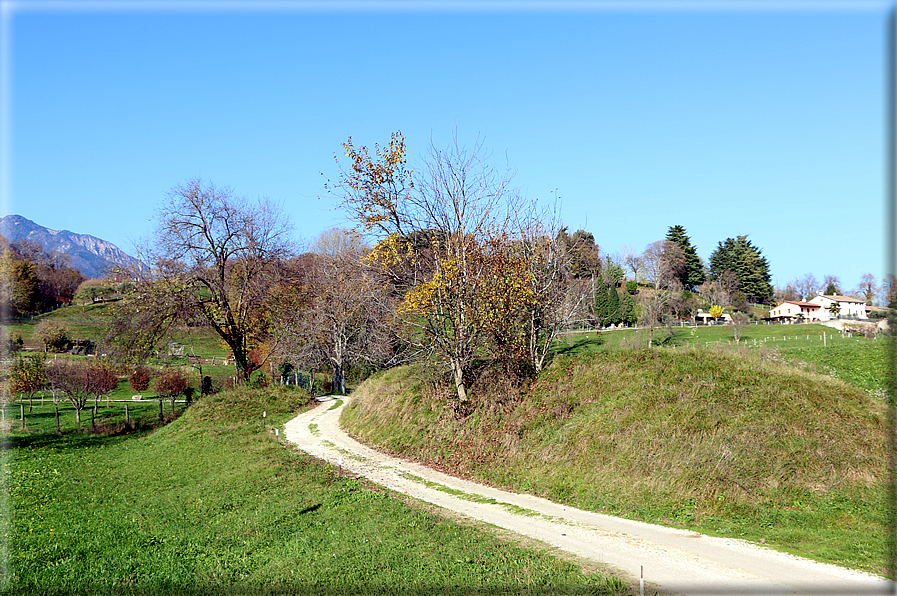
(613, 306)
(601, 300)
(627, 309)
(693, 275)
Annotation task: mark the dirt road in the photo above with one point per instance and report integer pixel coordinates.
(673, 560)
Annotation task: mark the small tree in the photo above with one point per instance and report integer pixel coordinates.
(716, 311)
(100, 380)
(53, 335)
(71, 379)
(27, 376)
(140, 379)
(835, 309)
(171, 384)
(740, 320)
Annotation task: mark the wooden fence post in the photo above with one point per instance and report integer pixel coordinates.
(93, 413)
(57, 420)
(160, 410)
(22, 414)
(127, 416)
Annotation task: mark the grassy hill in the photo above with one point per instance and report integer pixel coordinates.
(216, 503)
(732, 442)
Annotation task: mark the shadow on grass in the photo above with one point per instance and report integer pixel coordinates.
(578, 346)
(86, 436)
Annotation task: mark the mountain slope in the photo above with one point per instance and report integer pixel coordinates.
(90, 255)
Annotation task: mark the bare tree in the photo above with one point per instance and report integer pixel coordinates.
(728, 284)
(831, 285)
(554, 296)
(441, 237)
(789, 292)
(348, 319)
(221, 255)
(631, 260)
(868, 288)
(808, 286)
(663, 262)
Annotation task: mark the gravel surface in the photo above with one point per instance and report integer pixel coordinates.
(672, 560)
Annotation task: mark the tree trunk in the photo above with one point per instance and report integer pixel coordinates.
(459, 381)
(338, 384)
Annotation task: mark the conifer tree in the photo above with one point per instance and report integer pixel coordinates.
(745, 260)
(627, 309)
(693, 274)
(601, 303)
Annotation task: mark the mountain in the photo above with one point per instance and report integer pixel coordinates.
(90, 255)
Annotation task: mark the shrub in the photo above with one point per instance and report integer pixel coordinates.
(14, 342)
(140, 379)
(53, 335)
(171, 384)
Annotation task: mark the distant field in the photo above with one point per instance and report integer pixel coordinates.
(821, 349)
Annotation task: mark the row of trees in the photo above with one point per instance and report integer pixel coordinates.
(78, 381)
(446, 264)
(808, 286)
(461, 270)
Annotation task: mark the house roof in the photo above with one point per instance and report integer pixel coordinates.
(806, 304)
(838, 298)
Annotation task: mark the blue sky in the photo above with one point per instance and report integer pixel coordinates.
(757, 118)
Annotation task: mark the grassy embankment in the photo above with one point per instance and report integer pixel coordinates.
(728, 441)
(214, 503)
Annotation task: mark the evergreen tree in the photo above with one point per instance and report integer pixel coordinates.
(627, 309)
(613, 315)
(745, 260)
(602, 300)
(693, 275)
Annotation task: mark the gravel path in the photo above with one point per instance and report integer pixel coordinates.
(673, 560)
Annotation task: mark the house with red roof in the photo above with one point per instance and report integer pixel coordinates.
(792, 311)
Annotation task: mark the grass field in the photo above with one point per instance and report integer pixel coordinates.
(776, 439)
(214, 503)
(821, 349)
(731, 442)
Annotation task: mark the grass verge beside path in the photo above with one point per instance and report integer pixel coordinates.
(723, 442)
(213, 503)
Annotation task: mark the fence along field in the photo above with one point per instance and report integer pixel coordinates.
(824, 350)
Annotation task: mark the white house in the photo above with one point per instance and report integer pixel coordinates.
(791, 311)
(850, 307)
(704, 317)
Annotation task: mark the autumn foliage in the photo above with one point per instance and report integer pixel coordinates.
(139, 379)
(171, 384)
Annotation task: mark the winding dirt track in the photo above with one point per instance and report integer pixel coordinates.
(674, 560)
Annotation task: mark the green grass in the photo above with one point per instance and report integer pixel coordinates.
(731, 442)
(41, 418)
(213, 503)
(822, 349)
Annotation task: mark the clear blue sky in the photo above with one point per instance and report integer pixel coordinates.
(765, 119)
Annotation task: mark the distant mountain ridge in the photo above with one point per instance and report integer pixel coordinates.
(90, 255)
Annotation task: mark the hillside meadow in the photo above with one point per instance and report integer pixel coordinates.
(215, 503)
(777, 438)
(727, 441)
